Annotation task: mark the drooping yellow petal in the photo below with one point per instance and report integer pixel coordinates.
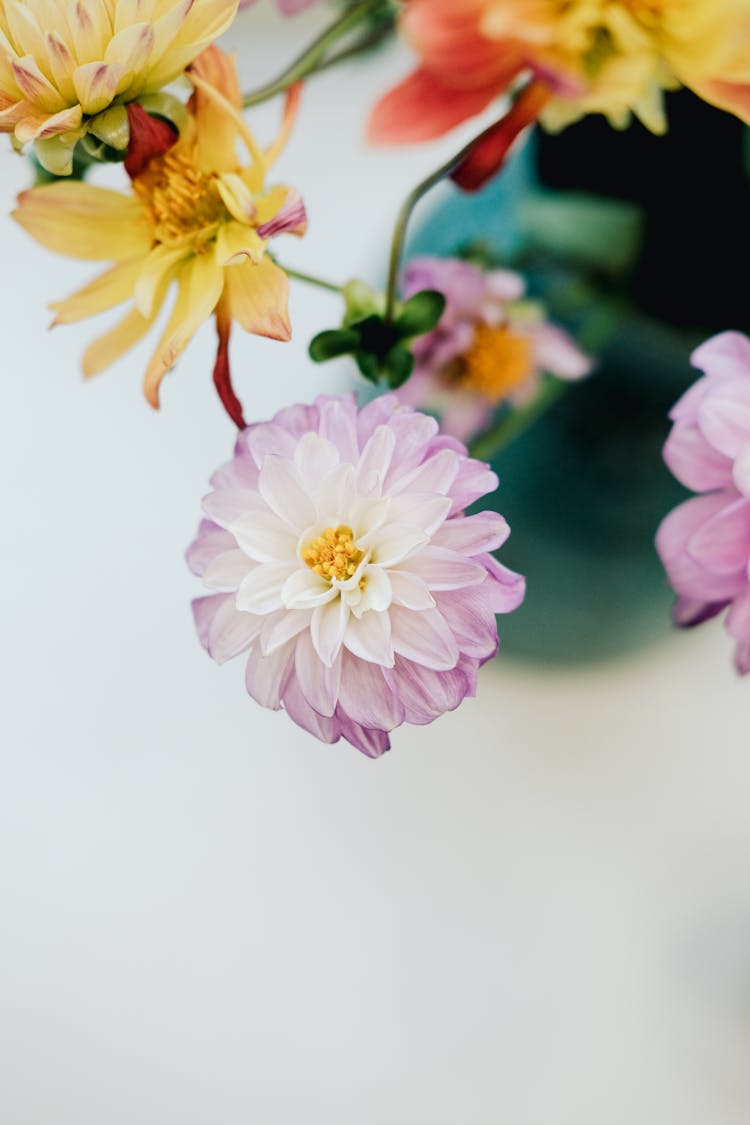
(156, 273)
(120, 339)
(200, 286)
(258, 298)
(85, 222)
(104, 292)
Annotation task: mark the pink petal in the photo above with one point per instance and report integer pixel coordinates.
(471, 535)
(694, 462)
(441, 569)
(424, 638)
(366, 697)
(210, 541)
(722, 543)
(319, 684)
(267, 677)
(426, 694)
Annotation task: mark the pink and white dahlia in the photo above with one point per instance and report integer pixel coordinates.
(345, 567)
(490, 346)
(704, 543)
(286, 7)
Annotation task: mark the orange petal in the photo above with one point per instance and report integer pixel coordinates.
(258, 298)
(423, 107)
(732, 96)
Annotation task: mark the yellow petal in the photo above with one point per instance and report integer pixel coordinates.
(216, 129)
(258, 298)
(200, 287)
(97, 84)
(237, 197)
(120, 339)
(156, 273)
(104, 292)
(236, 241)
(85, 222)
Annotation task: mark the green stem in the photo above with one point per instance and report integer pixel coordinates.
(513, 424)
(310, 279)
(313, 56)
(399, 230)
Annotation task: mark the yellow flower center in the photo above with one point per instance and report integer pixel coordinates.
(496, 364)
(181, 201)
(334, 554)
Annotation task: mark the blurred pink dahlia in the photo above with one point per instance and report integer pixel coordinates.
(490, 346)
(345, 567)
(704, 543)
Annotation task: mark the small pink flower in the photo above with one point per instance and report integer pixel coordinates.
(704, 543)
(344, 566)
(490, 346)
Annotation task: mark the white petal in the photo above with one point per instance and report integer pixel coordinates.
(304, 589)
(392, 543)
(280, 627)
(422, 510)
(261, 590)
(423, 637)
(228, 505)
(410, 591)
(279, 485)
(334, 497)
(444, 570)
(366, 514)
(263, 536)
(375, 461)
(378, 593)
(327, 629)
(227, 570)
(369, 637)
(315, 459)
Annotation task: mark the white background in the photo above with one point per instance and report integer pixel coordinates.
(534, 912)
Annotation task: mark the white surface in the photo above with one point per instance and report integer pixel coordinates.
(534, 912)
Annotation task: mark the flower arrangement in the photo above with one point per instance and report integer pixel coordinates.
(347, 548)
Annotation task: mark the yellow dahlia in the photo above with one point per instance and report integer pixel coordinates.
(197, 218)
(68, 67)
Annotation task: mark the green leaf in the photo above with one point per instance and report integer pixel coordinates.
(399, 364)
(420, 313)
(332, 343)
(369, 366)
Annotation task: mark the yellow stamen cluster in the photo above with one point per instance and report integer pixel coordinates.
(180, 199)
(334, 554)
(497, 363)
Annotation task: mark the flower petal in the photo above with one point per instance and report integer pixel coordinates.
(260, 591)
(82, 221)
(424, 638)
(280, 486)
(327, 629)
